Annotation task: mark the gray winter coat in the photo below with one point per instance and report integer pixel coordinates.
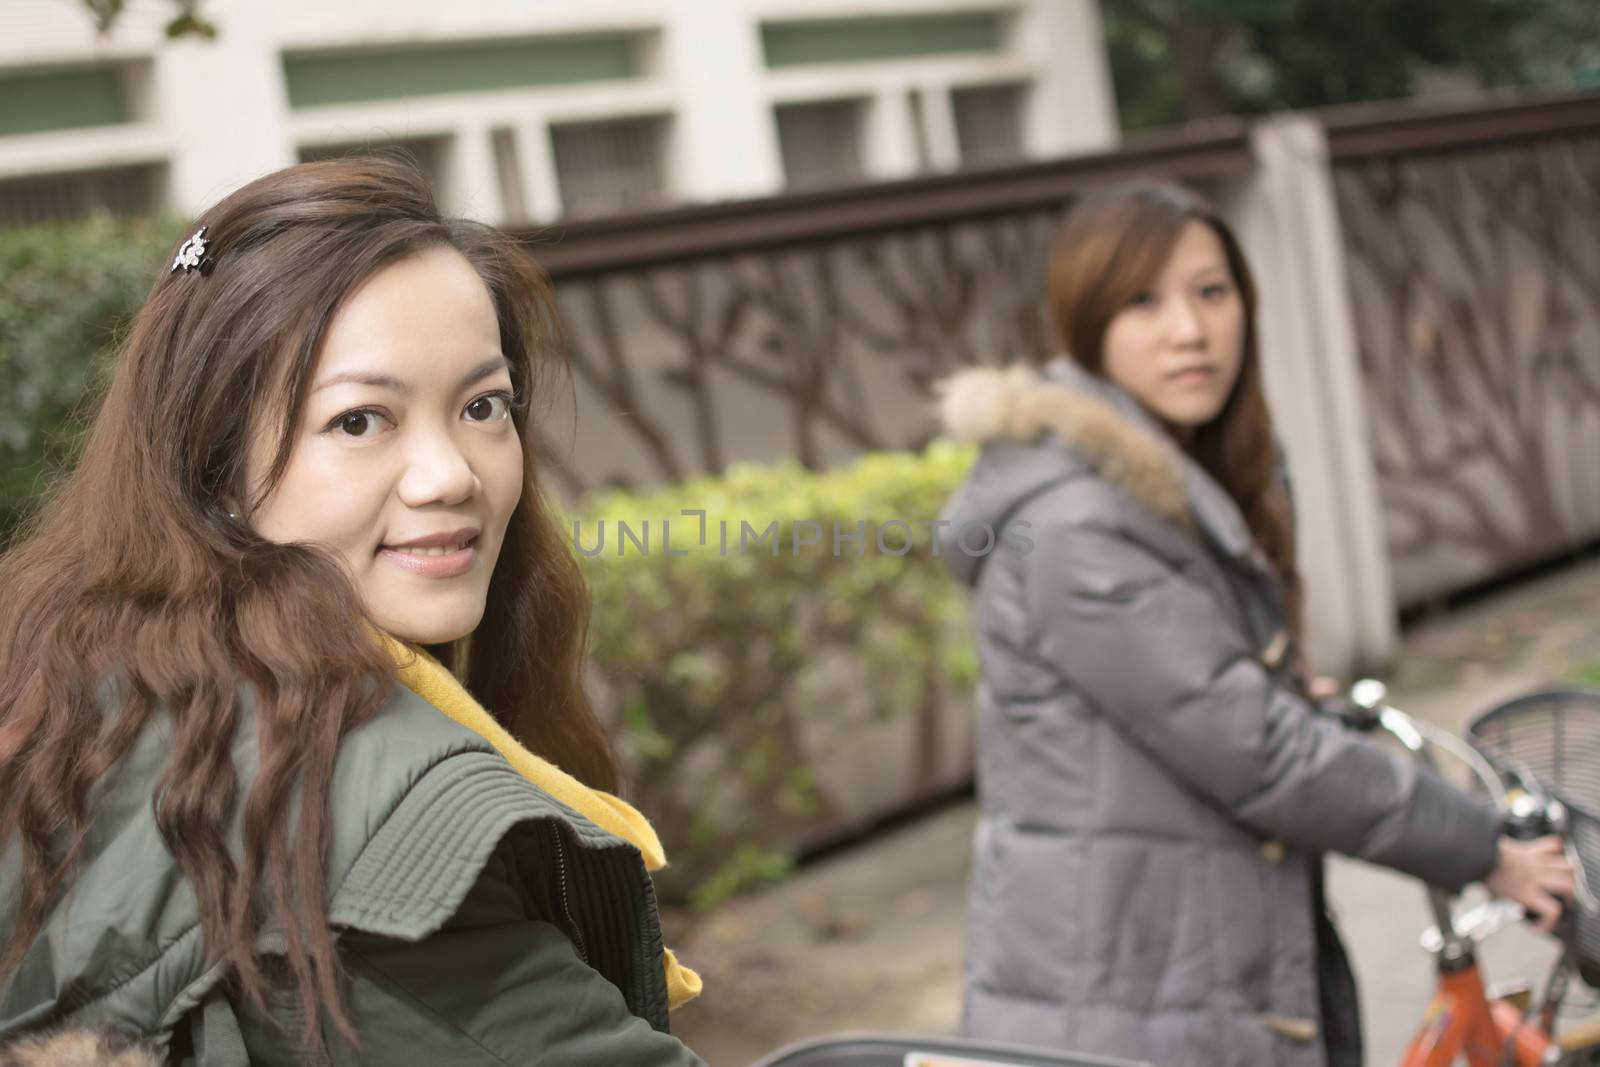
(1155, 796)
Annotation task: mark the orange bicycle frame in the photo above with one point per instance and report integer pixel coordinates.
(1463, 1022)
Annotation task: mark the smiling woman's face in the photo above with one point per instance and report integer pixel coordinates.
(406, 463)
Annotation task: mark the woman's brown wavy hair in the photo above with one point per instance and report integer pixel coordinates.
(132, 579)
(1111, 246)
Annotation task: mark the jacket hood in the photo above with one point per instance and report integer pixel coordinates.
(1039, 427)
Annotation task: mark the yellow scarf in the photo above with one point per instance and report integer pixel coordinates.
(429, 679)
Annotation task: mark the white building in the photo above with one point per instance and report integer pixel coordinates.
(528, 110)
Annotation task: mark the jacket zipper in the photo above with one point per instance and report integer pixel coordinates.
(566, 902)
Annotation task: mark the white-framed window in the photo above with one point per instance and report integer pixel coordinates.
(989, 123)
(610, 167)
(39, 199)
(821, 143)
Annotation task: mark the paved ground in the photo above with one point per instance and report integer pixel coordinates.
(872, 938)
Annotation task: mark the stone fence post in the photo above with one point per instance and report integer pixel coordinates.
(1285, 214)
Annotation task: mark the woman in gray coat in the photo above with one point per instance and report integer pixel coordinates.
(1156, 789)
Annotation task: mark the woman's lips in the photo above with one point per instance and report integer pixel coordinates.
(433, 562)
(1193, 375)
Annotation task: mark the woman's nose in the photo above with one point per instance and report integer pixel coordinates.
(438, 473)
(1184, 323)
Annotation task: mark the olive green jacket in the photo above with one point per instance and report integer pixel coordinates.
(478, 920)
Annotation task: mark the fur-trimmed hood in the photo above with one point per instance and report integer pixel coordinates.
(1018, 405)
(1042, 426)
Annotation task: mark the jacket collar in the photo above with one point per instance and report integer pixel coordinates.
(430, 679)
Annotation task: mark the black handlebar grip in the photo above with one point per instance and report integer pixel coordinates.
(1526, 825)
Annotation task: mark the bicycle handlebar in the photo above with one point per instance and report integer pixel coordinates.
(1529, 811)
(1368, 709)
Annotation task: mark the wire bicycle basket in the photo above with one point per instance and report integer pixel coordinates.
(1552, 737)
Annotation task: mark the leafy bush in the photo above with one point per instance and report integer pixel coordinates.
(740, 667)
(65, 292)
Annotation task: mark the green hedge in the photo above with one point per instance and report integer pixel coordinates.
(733, 674)
(65, 292)
(726, 663)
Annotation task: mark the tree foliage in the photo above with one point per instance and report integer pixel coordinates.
(1179, 60)
(66, 292)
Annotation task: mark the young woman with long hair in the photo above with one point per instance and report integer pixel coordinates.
(1156, 789)
(295, 757)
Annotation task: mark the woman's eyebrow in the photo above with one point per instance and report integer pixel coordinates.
(486, 368)
(390, 382)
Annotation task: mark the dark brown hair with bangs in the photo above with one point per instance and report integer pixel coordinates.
(133, 578)
(1112, 246)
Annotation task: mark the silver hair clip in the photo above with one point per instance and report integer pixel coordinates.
(191, 253)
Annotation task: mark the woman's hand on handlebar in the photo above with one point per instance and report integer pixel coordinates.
(1535, 874)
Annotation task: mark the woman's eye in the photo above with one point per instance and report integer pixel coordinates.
(358, 423)
(1215, 291)
(491, 407)
(1143, 299)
